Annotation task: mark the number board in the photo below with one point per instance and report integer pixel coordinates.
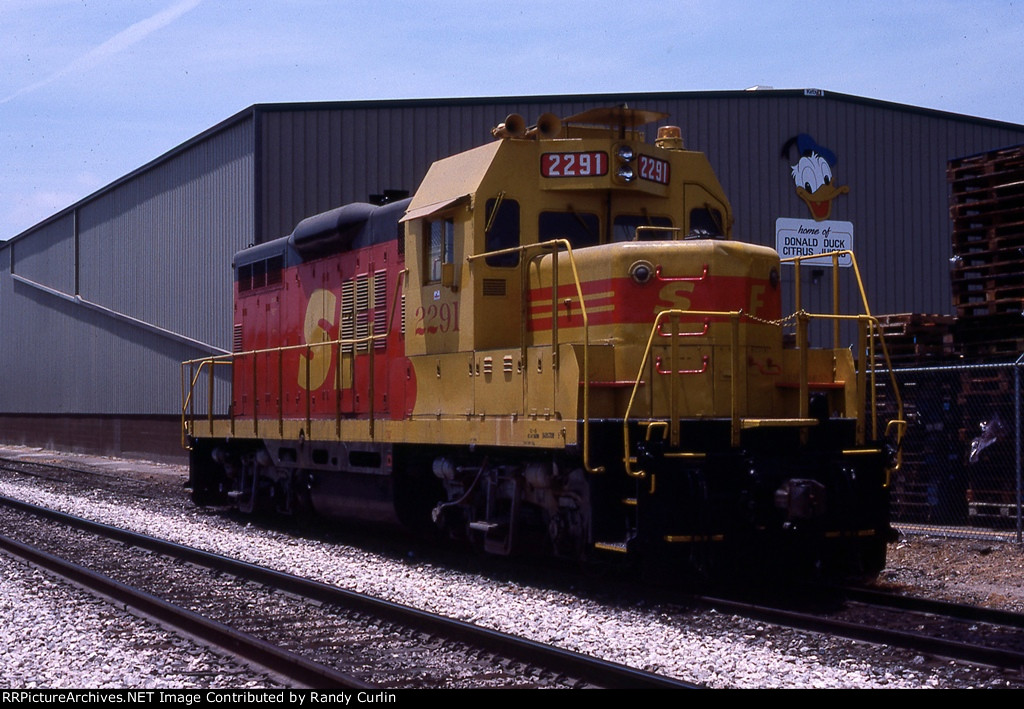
(654, 170)
(590, 164)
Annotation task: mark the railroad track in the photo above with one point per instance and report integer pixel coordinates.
(44, 470)
(296, 627)
(84, 477)
(948, 630)
(971, 633)
(853, 626)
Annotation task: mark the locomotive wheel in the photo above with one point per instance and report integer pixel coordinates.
(872, 558)
(206, 478)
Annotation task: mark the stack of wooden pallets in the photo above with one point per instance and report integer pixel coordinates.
(920, 491)
(917, 340)
(987, 209)
(929, 485)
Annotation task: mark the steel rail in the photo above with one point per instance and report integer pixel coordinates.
(274, 659)
(591, 670)
(1002, 657)
(945, 609)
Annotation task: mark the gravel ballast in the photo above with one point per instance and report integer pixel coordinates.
(56, 635)
(71, 645)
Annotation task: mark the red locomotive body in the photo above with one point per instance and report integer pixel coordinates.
(330, 280)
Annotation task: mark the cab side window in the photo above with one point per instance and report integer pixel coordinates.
(654, 228)
(502, 231)
(705, 223)
(580, 228)
(439, 235)
(260, 274)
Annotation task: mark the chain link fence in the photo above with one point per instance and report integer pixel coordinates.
(961, 472)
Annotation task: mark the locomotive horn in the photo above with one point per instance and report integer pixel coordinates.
(548, 126)
(513, 127)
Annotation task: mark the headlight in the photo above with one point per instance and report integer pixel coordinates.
(641, 271)
(624, 156)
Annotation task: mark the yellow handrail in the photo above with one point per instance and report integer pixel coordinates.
(675, 314)
(188, 406)
(873, 336)
(869, 330)
(188, 411)
(552, 247)
(797, 261)
(869, 333)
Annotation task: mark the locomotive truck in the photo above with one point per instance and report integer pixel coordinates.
(554, 346)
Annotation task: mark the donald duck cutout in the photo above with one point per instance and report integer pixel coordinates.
(812, 175)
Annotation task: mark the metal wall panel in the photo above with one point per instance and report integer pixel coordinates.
(49, 256)
(893, 158)
(154, 286)
(149, 257)
(315, 157)
(61, 358)
(159, 247)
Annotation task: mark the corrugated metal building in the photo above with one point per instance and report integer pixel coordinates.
(100, 303)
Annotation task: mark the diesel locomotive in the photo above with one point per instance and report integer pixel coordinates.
(553, 346)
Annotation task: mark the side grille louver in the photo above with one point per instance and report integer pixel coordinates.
(494, 287)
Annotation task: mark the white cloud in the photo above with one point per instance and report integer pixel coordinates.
(116, 44)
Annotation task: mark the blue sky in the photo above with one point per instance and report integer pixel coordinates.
(90, 90)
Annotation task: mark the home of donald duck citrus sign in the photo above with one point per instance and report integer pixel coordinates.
(812, 176)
